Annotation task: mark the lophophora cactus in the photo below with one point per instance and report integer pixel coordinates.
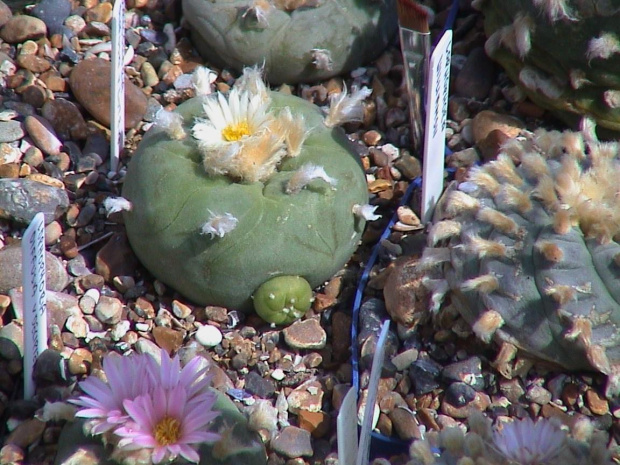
(565, 54)
(528, 249)
(522, 442)
(297, 40)
(229, 192)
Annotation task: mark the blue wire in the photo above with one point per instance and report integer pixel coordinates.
(359, 292)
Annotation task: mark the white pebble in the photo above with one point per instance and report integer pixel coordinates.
(209, 336)
(278, 374)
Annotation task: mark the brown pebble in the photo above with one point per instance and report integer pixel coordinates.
(26, 433)
(33, 63)
(316, 423)
(9, 170)
(80, 361)
(168, 338)
(598, 405)
(306, 334)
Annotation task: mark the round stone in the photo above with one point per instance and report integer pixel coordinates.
(209, 335)
(90, 84)
(21, 28)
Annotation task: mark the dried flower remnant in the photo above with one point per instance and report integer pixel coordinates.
(322, 59)
(170, 122)
(604, 46)
(306, 174)
(366, 212)
(344, 108)
(251, 81)
(219, 224)
(203, 79)
(294, 129)
(260, 10)
(116, 204)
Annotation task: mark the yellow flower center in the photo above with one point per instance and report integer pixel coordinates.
(167, 431)
(236, 131)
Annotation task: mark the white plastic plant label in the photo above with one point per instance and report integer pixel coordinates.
(347, 429)
(435, 128)
(35, 311)
(117, 96)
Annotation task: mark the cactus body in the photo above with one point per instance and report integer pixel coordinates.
(564, 54)
(532, 257)
(265, 230)
(283, 299)
(302, 44)
(237, 444)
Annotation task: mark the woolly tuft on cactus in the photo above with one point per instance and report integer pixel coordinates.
(259, 187)
(529, 250)
(565, 55)
(297, 40)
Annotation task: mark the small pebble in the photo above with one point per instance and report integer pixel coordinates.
(208, 335)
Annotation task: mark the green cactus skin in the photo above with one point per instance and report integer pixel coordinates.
(530, 256)
(354, 31)
(311, 233)
(283, 299)
(565, 75)
(238, 443)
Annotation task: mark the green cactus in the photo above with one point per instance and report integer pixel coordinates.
(297, 40)
(283, 299)
(530, 252)
(237, 444)
(564, 54)
(215, 227)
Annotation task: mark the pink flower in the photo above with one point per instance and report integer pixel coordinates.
(168, 424)
(146, 405)
(103, 402)
(529, 443)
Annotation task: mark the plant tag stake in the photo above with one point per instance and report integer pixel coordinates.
(373, 387)
(347, 429)
(117, 96)
(35, 311)
(435, 128)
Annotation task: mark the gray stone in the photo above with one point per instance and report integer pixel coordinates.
(468, 371)
(56, 278)
(12, 341)
(53, 13)
(259, 386)
(11, 131)
(109, 310)
(21, 199)
(293, 442)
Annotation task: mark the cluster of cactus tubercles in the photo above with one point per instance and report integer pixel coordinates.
(528, 249)
(564, 54)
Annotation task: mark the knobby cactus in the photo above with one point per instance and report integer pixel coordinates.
(229, 192)
(564, 54)
(297, 40)
(523, 442)
(528, 250)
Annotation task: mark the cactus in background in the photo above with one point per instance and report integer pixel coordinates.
(297, 40)
(264, 186)
(530, 252)
(522, 442)
(564, 54)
